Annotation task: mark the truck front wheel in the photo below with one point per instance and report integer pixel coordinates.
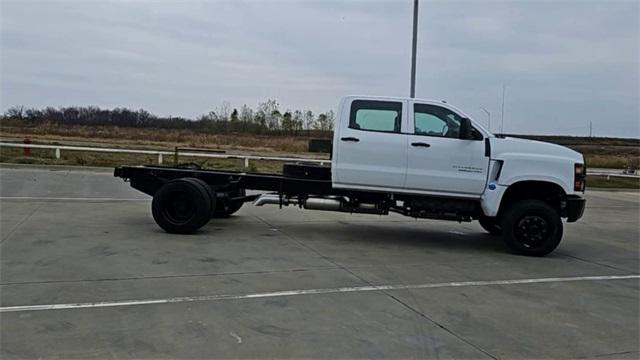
(182, 206)
(531, 227)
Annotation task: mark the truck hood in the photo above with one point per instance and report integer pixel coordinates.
(501, 147)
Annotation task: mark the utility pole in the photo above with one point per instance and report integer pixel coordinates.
(488, 118)
(590, 128)
(413, 50)
(502, 114)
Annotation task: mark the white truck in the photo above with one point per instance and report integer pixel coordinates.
(418, 158)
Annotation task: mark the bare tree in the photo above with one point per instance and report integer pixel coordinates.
(308, 120)
(298, 121)
(267, 118)
(269, 114)
(331, 120)
(224, 111)
(15, 112)
(246, 114)
(287, 122)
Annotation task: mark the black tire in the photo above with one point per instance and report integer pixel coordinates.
(182, 206)
(531, 227)
(224, 209)
(491, 225)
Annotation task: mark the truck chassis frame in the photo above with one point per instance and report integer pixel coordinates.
(299, 189)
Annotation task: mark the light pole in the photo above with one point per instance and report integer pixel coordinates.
(488, 118)
(413, 50)
(502, 112)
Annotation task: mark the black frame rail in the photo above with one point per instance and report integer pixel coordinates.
(149, 179)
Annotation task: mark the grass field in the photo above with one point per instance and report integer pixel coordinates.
(602, 152)
(612, 182)
(155, 138)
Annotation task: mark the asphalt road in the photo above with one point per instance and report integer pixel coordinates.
(86, 273)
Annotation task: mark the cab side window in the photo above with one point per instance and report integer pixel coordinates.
(432, 120)
(429, 124)
(383, 116)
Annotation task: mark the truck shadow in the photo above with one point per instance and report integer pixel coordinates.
(387, 236)
(362, 236)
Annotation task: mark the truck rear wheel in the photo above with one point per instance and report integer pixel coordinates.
(182, 206)
(224, 209)
(491, 225)
(531, 227)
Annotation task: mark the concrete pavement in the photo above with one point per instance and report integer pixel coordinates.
(73, 237)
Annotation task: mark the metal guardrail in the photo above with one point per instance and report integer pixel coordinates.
(160, 153)
(608, 173)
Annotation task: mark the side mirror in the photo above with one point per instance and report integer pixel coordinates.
(465, 129)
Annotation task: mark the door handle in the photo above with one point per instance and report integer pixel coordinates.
(420, 144)
(350, 139)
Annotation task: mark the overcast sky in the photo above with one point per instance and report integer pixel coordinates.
(564, 63)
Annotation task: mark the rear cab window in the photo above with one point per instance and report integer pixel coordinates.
(372, 115)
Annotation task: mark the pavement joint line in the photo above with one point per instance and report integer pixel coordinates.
(441, 326)
(370, 284)
(19, 224)
(616, 353)
(593, 262)
(315, 251)
(168, 276)
(285, 293)
(302, 244)
(346, 269)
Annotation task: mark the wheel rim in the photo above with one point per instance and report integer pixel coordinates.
(532, 231)
(180, 208)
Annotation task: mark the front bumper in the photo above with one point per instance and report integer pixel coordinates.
(574, 208)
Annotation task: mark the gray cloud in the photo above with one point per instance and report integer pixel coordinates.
(564, 63)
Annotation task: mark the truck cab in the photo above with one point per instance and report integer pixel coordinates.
(408, 146)
(430, 148)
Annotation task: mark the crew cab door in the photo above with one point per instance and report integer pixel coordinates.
(438, 159)
(370, 151)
